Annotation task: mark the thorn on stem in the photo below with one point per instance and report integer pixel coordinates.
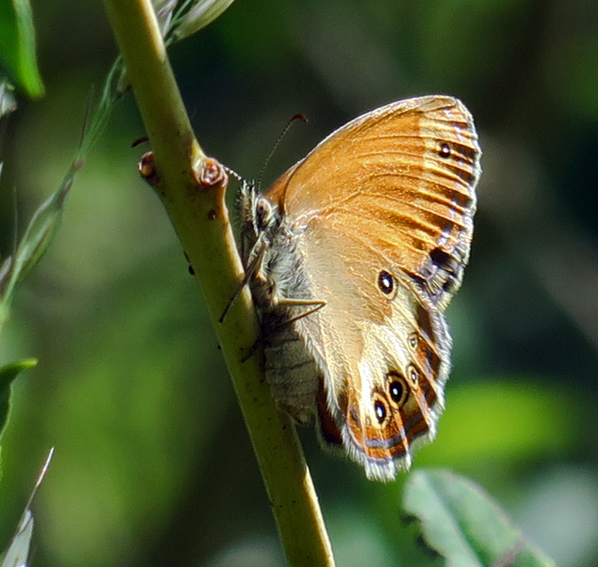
(212, 173)
(147, 169)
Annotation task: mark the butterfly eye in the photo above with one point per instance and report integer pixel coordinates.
(444, 150)
(386, 282)
(262, 207)
(263, 212)
(380, 410)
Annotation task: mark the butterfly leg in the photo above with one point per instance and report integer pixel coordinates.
(251, 270)
(316, 305)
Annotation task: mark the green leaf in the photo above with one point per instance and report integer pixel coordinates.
(464, 525)
(7, 374)
(17, 45)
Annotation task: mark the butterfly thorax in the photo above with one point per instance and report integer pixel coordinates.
(269, 252)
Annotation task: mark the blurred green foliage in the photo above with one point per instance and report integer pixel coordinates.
(152, 463)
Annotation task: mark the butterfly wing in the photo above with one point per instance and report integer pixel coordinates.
(383, 208)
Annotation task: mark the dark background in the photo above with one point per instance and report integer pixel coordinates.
(153, 465)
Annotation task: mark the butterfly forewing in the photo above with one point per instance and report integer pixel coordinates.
(402, 177)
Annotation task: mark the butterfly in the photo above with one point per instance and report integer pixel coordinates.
(352, 257)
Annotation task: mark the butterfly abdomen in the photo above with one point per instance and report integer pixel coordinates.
(290, 370)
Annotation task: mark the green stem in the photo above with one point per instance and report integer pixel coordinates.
(201, 221)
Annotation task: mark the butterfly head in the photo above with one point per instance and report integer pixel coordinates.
(258, 214)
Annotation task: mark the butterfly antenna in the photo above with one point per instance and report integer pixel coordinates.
(301, 117)
(234, 174)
